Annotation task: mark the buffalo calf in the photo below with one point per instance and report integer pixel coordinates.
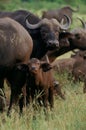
(41, 80)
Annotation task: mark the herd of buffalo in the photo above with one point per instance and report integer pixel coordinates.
(28, 47)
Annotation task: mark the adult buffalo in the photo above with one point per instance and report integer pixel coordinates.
(79, 39)
(44, 32)
(76, 39)
(15, 45)
(79, 70)
(59, 13)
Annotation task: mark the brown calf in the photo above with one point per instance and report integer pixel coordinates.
(41, 80)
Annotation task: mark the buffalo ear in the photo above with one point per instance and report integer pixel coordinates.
(84, 56)
(65, 35)
(77, 36)
(45, 66)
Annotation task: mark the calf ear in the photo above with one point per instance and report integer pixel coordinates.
(46, 67)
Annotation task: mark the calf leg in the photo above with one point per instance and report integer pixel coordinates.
(58, 91)
(45, 99)
(50, 97)
(84, 87)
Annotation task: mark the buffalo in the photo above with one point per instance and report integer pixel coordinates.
(59, 13)
(79, 39)
(79, 65)
(79, 73)
(63, 65)
(15, 45)
(16, 77)
(76, 39)
(67, 64)
(40, 81)
(23, 83)
(44, 32)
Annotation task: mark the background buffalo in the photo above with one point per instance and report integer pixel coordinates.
(59, 13)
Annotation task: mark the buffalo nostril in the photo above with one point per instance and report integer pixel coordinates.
(52, 43)
(33, 68)
(57, 44)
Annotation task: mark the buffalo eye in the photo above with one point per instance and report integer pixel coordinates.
(44, 33)
(77, 36)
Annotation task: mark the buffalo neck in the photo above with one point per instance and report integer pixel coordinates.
(39, 47)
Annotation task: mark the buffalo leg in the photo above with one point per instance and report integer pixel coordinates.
(84, 87)
(21, 103)
(2, 86)
(10, 105)
(45, 98)
(13, 98)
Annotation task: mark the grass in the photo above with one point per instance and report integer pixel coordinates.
(67, 115)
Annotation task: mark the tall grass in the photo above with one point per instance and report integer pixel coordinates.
(66, 115)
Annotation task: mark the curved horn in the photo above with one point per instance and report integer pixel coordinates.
(75, 51)
(47, 59)
(35, 26)
(67, 25)
(83, 23)
(31, 26)
(75, 10)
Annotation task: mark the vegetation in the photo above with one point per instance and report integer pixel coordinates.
(67, 115)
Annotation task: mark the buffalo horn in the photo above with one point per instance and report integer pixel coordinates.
(35, 26)
(67, 25)
(83, 23)
(75, 10)
(45, 20)
(47, 59)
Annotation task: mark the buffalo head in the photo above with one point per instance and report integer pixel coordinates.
(59, 13)
(79, 39)
(49, 31)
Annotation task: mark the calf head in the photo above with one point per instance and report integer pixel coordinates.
(35, 65)
(49, 30)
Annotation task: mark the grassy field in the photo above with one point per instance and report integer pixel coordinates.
(67, 115)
